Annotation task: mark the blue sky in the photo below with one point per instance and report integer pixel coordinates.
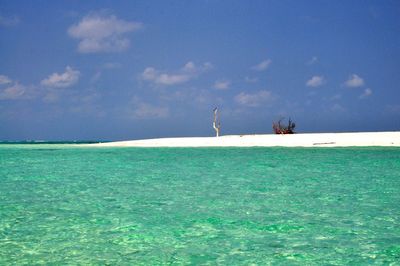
(73, 70)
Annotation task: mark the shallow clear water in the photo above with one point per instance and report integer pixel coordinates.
(228, 206)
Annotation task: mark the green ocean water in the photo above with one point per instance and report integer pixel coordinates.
(199, 206)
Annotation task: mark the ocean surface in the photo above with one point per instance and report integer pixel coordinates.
(61, 204)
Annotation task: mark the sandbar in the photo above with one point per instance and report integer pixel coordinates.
(356, 139)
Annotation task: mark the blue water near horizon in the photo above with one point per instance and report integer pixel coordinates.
(36, 142)
(62, 204)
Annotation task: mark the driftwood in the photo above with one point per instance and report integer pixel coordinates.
(216, 123)
(282, 129)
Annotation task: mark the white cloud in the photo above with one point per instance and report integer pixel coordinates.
(64, 80)
(263, 65)
(354, 81)
(151, 74)
(100, 33)
(9, 21)
(186, 73)
(4, 80)
(14, 92)
(255, 99)
(189, 67)
(312, 61)
(367, 92)
(315, 81)
(167, 79)
(222, 84)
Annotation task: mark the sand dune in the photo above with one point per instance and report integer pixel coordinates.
(269, 140)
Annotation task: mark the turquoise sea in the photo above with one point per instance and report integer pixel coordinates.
(60, 204)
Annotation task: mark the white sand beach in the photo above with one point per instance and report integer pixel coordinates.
(390, 139)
